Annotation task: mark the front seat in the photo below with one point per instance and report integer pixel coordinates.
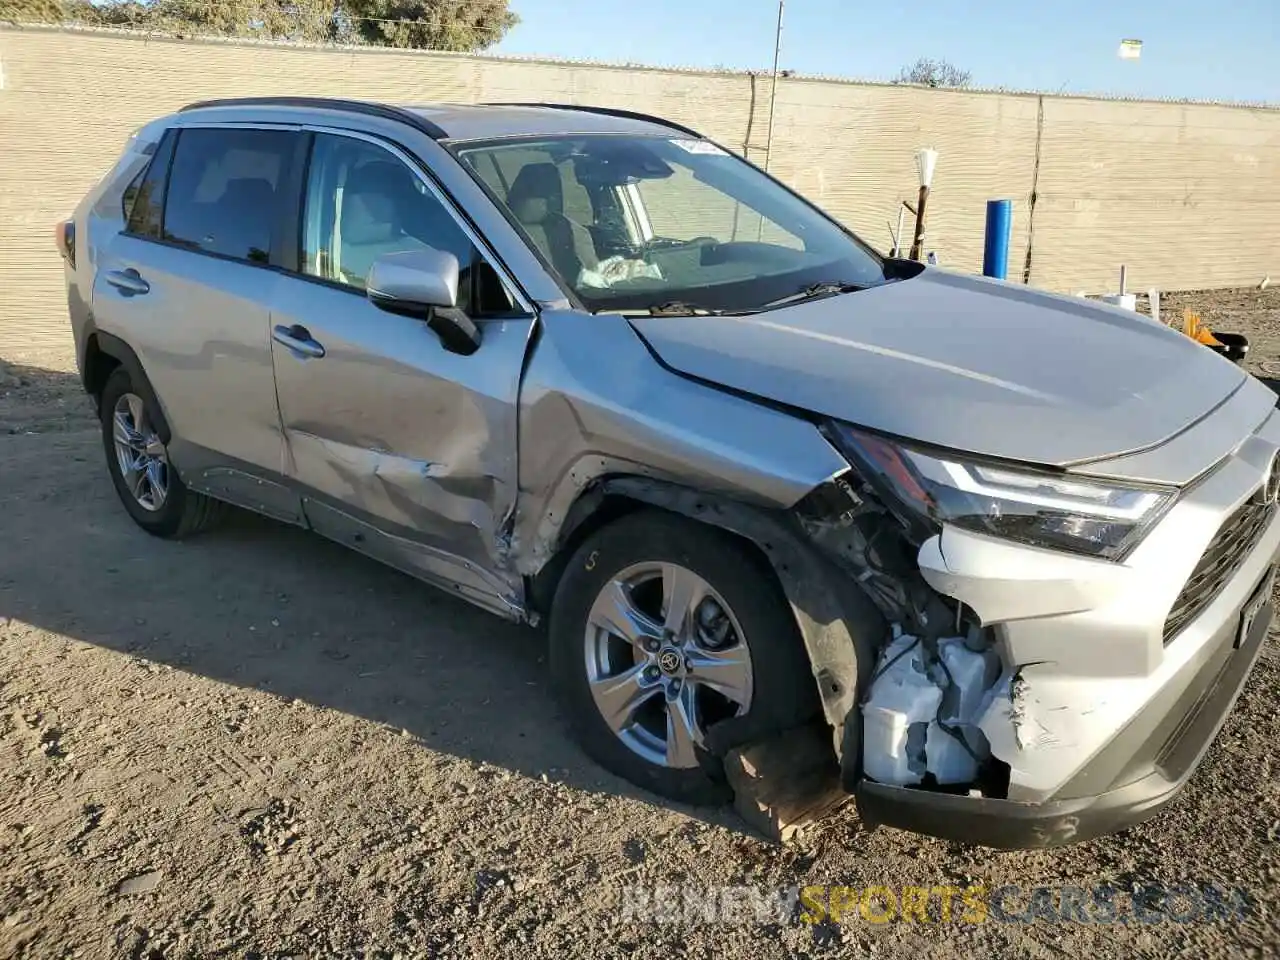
(376, 199)
(536, 200)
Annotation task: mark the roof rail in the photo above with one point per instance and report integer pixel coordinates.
(608, 112)
(383, 110)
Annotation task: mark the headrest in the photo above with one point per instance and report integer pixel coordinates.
(536, 194)
(372, 199)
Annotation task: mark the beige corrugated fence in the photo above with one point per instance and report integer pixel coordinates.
(1187, 195)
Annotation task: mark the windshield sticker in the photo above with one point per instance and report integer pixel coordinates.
(700, 146)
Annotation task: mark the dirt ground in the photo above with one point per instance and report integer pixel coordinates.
(255, 744)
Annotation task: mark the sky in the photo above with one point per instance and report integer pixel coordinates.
(1223, 50)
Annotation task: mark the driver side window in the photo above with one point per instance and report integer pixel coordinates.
(363, 202)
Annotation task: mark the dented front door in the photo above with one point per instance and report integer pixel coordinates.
(403, 450)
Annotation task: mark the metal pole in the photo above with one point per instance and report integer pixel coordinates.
(917, 244)
(926, 162)
(773, 92)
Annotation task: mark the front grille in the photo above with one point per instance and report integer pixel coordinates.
(1233, 542)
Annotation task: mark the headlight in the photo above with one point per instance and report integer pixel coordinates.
(1039, 508)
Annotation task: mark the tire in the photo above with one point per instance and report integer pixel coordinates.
(592, 664)
(154, 496)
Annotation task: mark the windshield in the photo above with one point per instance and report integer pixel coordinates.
(641, 222)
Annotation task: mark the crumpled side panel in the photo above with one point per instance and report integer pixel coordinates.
(595, 404)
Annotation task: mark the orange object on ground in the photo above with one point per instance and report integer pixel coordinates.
(1196, 330)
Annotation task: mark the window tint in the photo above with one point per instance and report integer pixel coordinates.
(363, 202)
(222, 190)
(143, 201)
(130, 196)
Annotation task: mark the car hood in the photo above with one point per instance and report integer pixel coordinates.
(963, 362)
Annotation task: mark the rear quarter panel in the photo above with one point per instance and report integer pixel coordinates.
(100, 217)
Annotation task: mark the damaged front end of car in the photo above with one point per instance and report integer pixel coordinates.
(997, 649)
(944, 708)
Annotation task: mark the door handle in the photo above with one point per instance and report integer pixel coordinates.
(127, 281)
(298, 339)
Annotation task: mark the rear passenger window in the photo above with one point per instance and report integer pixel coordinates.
(143, 201)
(222, 191)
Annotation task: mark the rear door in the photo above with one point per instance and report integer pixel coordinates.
(188, 285)
(404, 450)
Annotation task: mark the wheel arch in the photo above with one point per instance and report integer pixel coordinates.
(103, 354)
(837, 622)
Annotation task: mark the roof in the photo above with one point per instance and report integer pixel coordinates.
(459, 121)
(486, 121)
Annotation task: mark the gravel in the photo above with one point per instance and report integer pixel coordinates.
(256, 744)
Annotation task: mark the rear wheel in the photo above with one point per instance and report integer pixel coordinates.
(138, 462)
(662, 629)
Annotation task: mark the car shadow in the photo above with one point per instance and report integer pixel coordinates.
(269, 607)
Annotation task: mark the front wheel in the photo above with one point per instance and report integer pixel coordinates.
(663, 628)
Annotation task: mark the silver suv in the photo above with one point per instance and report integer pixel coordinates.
(1013, 551)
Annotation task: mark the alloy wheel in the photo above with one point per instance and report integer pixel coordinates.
(666, 659)
(142, 458)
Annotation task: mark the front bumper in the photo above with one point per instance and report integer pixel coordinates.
(1105, 708)
(1171, 745)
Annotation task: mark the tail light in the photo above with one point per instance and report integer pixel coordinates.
(65, 235)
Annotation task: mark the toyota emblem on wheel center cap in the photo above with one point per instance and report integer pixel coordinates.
(669, 661)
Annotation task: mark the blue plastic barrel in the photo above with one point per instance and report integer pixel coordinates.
(995, 254)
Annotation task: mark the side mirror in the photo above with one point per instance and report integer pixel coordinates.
(424, 284)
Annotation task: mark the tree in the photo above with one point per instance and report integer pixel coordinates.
(934, 73)
(305, 20)
(114, 13)
(31, 11)
(463, 25)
